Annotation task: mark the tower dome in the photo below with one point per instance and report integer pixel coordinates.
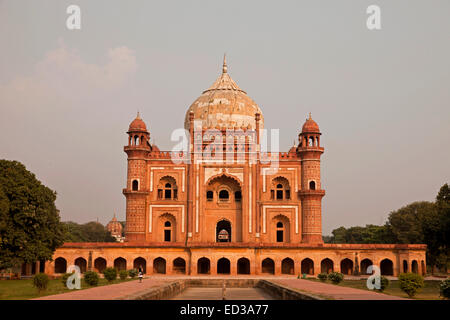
(115, 227)
(137, 124)
(224, 105)
(310, 126)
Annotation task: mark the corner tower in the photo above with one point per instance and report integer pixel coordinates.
(136, 191)
(311, 191)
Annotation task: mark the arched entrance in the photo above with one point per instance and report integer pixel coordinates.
(203, 266)
(347, 266)
(365, 263)
(223, 266)
(243, 266)
(159, 265)
(100, 264)
(179, 266)
(223, 195)
(307, 266)
(326, 266)
(387, 267)
(405, 266)
(223, 231)
(60, 265)
(268, 266)
(415, 266)
(120, 264)
(81, 263)
(287, 266)
(140, 263)
(424, 269)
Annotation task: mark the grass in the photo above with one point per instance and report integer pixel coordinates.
(430, 291)
(23, 289)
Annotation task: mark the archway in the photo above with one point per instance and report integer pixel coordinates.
(159, 265)
(415, 266)
(347, 266)
(243, 266)
(223, 266)
(140, 263)
(223, 231)
(268, 266)
(224, 196)
(405, 266)
(287, 266)
(100, 264)
(167, 224)
(326, 266)
(60, 265)
(179, 266)
(424, 269)
(120, 264)
(365, 263)
(203, 266)
(280, 225)
(81, 263)
(307, 266)
(387, 267)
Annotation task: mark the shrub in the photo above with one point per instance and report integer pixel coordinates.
(64, 278)
(384, 283)
(110, 274)
(411, 283)
(40, 281)
(123, 274)
(322, 277)
(132, 273)
(444, 288)
(91, 278)
(335, 277)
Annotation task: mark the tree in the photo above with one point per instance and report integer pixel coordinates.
(30, 228)
(88, 232)
(443, 212)
(409, 222)
(368, 234)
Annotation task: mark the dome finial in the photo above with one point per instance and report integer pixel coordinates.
(224, 67)
(138, 115)
(310, 116)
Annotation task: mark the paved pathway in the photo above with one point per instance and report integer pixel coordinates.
(324, 290)
(332, 291)
(108, 292)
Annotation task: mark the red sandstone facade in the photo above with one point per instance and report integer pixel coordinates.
(220, 207)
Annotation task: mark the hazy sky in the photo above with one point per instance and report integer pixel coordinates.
(381, 98)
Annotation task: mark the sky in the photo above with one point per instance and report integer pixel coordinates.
(380, 97)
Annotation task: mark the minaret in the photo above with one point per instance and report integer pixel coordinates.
(311, 192)
(136, 191)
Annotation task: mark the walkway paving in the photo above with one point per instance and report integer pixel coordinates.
(331, 291)
(108, 292)
(319, 289)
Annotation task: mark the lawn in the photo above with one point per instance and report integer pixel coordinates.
(23, 289)
(429, 292)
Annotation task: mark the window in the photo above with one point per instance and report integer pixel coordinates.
(167, 231)
(280, 189)
(280, 231)
(209, 195)
(167, 189)
(279, 192)
(312, 185)
(135, 185)
(223, 195)
(238, 196)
